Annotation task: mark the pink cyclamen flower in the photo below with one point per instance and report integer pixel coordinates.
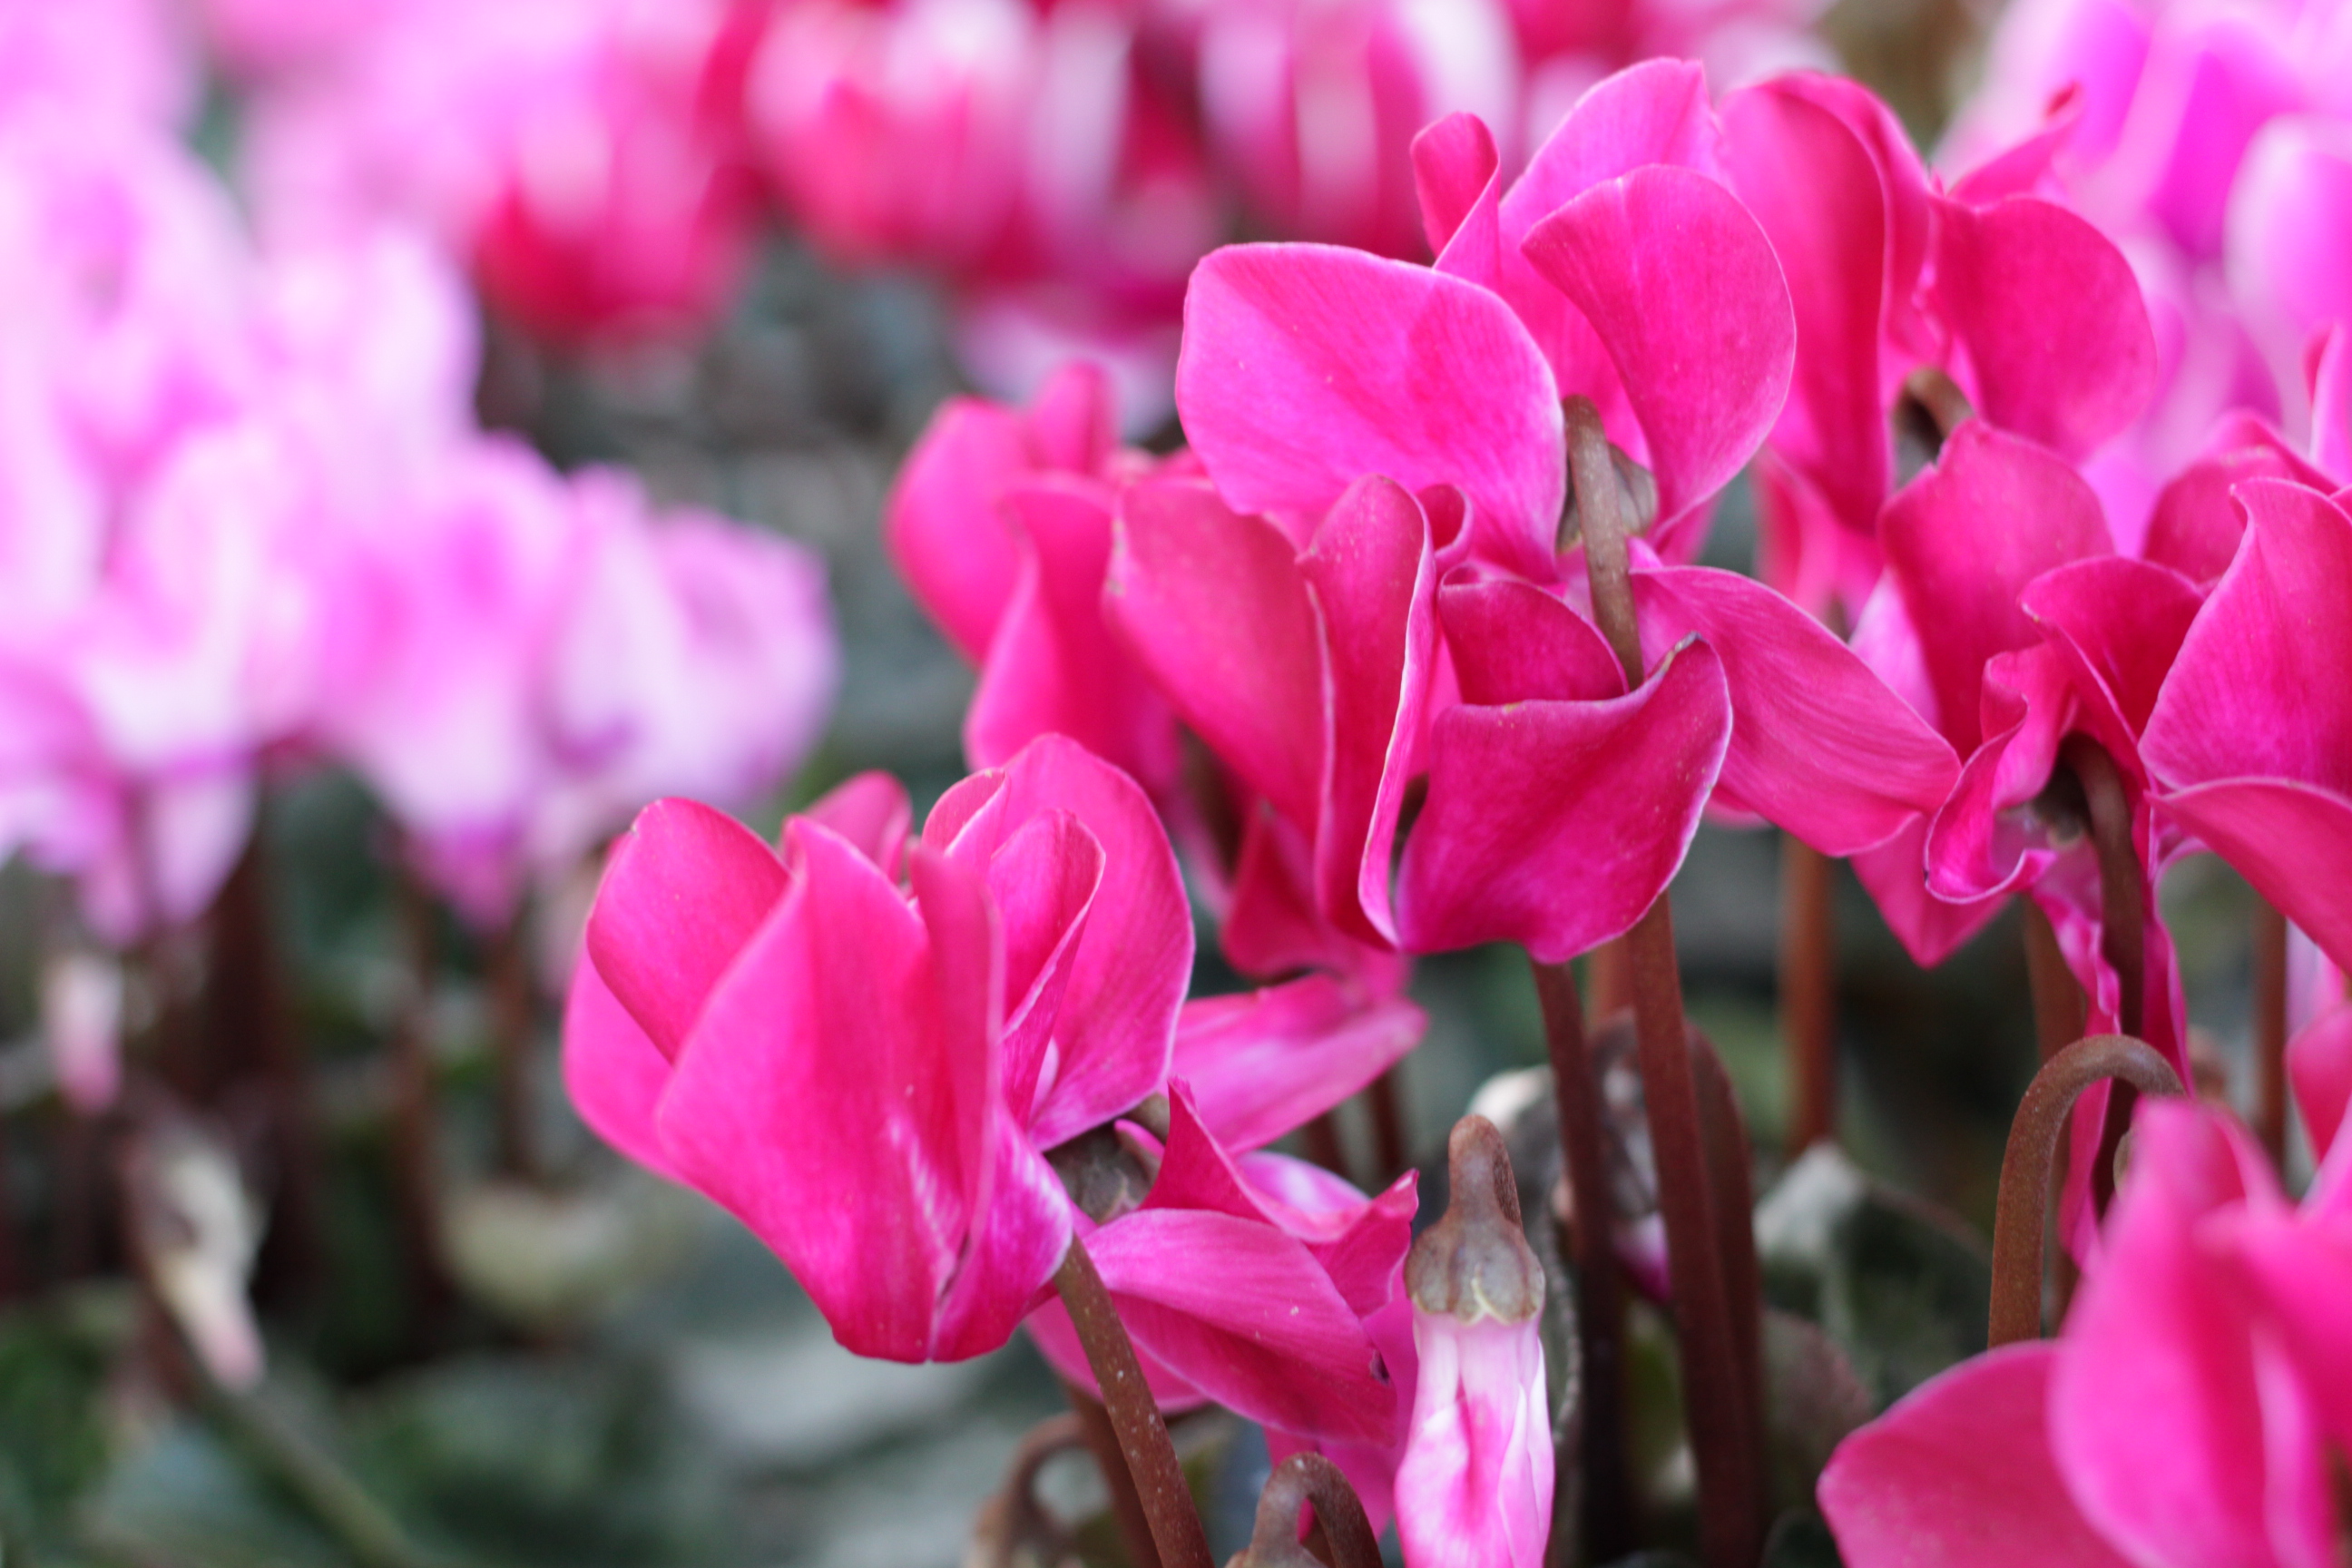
(1475, 1487)
(2190, 1413)
(129, 60)
(747, 1019)
(566, 152)
(2248, 743)
(1001, 524)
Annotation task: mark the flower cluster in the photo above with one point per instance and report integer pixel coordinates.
(248, 523)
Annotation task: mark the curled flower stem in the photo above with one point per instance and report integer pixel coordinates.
(1587, 1237)
(1012, 1521)
(1299, 1482)
(2023, 1213)
(1174, 1528)
(2057, 995)
(2270, 1027)
(1808, 992)
(1731, 1467)
(2123, 924)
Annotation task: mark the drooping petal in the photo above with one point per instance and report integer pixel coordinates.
(1306, 367)
(2252, 739)
(615, 1074)
(1265, 1062)
(1370, 572)
(1264, 1333)
(1964, 538)
(1556, 824)
(1820, 744)
(1682, 286)
(1211, 602)
(1960, 1475)
(822, 1100)
(685, 888)
(1117, 1020)
(2050, 318)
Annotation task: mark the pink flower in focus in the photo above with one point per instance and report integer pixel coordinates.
(747, 1020)
(2188, 1415)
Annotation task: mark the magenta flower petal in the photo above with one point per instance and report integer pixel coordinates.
(1054, 666)
(2156, 1419)
(615, 1074)
(940, 521)
(1960, 1475)
(1265, 1062)
(1264, 1333)
(822, 1100)
(2118, 624)
(1118, 1014)
(685, 888)
(1555, 825)
(1454, 169)
(1512, 642)
(1653, 112)
(1931, 929)
(1682, 286)
(2049, 315)
(1810, 184)
(872, 812)
(1042, 880)
(1370, 573)
(2249, 742)
(1964, 538)
(2319, 1065)
(1475, 1488)
(1305, 367)
(1820, 744)
(1211, 601)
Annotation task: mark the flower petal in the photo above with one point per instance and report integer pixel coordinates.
(1958, 1475)
(872, 812)
(1265, 1062)
(940, 521)
(1306, 367)
(685, 888)
(615, 1074)
(1556, 824)
(1682, 286)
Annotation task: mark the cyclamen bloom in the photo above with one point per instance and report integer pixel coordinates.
(2190, 1413)
(1022, 988)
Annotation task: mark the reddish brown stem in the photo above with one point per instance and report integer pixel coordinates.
(2270, 1027)
(1299, 1483)
(1323, 1145)
(1808, 992)
(2022, 1217)
(1011, 1527)
(2059, 1010)
(1606, 1487)
(1729, 1164)
(514, 1001)
(2123, 926)
(1610, 980)
(1731, 1467)
(1101, 1438)
(1384, 1099)
(1149, 1457)
(415, 1117)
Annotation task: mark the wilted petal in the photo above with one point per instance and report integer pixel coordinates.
(1211, 602)
(1820, 744)
(2049, 315)
(1960, 1475)
(1682, 286)
(1556, 824)
(1264, 1333)
(1306, 367)
(1265, 1062)
(685, 888)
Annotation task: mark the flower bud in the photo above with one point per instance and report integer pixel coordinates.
(1475, 1488)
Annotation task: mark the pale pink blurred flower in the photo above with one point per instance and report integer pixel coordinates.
(127, 60)
(81, 1026)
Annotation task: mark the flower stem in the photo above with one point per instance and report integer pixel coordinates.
(513, 1008)
(1011, 1527)
(1301, 1481)
(1385, 1099)
(1150, 1458)
(1731, 1467)
(2270, 1027)
(1808, 992)
(2123, 926)
(415, 1118)
(1728, 1162)
(2057, 997)
(1587, 1237)
(2023, 1213)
